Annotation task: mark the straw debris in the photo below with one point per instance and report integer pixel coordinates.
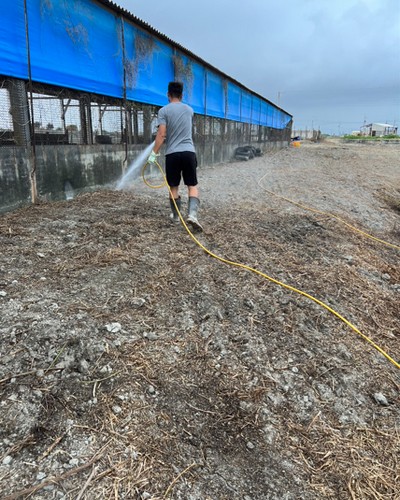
(135, 366)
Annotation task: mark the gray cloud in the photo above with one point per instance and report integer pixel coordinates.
(331, 64)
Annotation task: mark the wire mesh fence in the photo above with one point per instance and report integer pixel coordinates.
(14, 117)
(83, 118)
(33, 113)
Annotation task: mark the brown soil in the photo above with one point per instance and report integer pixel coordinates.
(136, 366)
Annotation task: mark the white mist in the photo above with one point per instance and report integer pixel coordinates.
(134, 168)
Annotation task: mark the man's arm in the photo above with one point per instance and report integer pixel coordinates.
(160, 137)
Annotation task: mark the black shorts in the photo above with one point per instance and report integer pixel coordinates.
(182, 164)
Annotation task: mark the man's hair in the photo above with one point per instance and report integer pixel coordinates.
(175, 89)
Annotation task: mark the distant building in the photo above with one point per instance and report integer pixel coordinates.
(378, 129)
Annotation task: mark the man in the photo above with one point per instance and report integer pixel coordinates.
(175, 128)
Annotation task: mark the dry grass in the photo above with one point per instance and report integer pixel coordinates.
(233, 362)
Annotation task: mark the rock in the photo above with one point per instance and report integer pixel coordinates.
(219, 315)
(106, 369)
(3, 293)
(269, 434)
(150, 335)
(381, 399)
(249, 303)
(83, 366)
(113, 327)
(245, 405)
(67, 363)
(138, 302)
(7, 460)
(250, 445)
(116, 409)
(344, 352)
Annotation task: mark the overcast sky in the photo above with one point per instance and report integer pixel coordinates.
(332, 64)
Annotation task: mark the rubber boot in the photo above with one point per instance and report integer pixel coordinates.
(174, 214)
(192, 220)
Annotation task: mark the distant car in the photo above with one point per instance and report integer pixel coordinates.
(247, 153)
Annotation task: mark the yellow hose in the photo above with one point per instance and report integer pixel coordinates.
(273, 280)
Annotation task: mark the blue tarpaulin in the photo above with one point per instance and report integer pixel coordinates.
(83, 45)
(196, 95)
(148, 66)
(233, 102)
(215, 97)
(246, 107)
(76, 44)
(13, 49)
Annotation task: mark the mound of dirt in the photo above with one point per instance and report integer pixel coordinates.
(134, 365)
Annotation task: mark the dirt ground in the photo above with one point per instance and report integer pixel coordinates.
(134, 365)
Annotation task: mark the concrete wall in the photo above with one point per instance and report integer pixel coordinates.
(15, 185)
(84, 167)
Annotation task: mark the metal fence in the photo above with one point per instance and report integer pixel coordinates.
(32, 113)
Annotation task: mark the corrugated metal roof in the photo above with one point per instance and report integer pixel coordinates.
(385, 125)
(128, 15)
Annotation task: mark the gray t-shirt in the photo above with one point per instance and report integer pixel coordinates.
(178, 118)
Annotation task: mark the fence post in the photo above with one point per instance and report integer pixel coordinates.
(19, 112)
(147, 132)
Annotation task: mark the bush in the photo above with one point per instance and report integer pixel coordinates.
(391, 136)
(370, 138)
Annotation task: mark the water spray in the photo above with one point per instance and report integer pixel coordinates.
(134, 169)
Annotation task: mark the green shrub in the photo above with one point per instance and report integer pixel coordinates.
(370, 137)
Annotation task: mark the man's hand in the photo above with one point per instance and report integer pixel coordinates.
(152, 157)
